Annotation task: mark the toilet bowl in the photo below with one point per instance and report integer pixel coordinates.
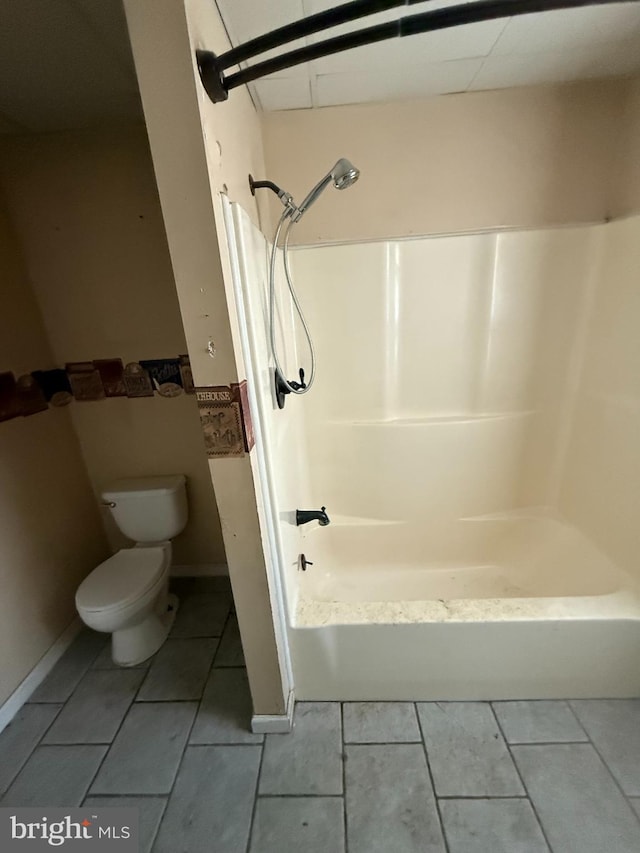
(127, 595)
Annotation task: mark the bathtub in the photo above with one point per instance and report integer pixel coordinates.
(541, 613)
(468, 404)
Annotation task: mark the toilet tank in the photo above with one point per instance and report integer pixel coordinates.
(149, 509)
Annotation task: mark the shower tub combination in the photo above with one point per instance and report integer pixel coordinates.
(474, 458)
(541, 614)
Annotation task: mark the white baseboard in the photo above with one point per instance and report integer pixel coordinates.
(200, 570)
(38, 674)
(278, 724)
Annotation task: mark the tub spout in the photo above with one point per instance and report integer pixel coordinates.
(305, 515)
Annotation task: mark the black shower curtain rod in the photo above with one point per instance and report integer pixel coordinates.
(217, 85)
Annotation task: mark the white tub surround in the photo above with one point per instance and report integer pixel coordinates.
(445, 434)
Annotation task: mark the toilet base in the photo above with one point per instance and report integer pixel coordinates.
(135, 644)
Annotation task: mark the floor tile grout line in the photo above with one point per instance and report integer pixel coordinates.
(156, 794)
(107, 751)
(573, 713)
(209, 671)
(87, 669)
(46, 731)
(137, 700)
(85, 742)
(224, 628)
(61, 709)
(293, 796)
(443, 831)
(37, 744)
(227, 743)
(146, 676)
(601, 757)
(166, 701)
(222, 594)
(520, 777)
(175, 779)
(173, 784)
(127, 796)
(217, 651)
(157, 832)
(343, 747)
(163, 797)
(255, 796)
(631, 799)
(104, 742)
(486, 797)
(381, 742)
(546, 742)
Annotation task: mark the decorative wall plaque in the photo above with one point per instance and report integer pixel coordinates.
(137, 382)
(228, 428)
(221, 421)
(239, 394)
(165, 375)
(85, 380)
(186, 375)
(111, 372)
(30, 396)
(55, 386)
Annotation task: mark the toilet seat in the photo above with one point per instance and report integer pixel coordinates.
(121, 580)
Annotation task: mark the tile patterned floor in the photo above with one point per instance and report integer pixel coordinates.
(171, 738)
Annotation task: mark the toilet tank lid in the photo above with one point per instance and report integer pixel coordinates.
(143, 487)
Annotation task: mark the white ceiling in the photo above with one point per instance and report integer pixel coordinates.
(64, 64)
(67, 63)
(571, 44)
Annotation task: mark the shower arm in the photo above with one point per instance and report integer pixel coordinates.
(285, 197)
(340, 179)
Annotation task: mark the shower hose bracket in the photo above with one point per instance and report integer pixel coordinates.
(282, 387)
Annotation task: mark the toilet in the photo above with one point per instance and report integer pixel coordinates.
(127, 595)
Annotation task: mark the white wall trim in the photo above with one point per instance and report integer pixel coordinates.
(278, 724)
(38, 674)
(269, 523)
(200, 570)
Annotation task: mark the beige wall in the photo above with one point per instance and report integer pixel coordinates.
(514, 157)
(89, 219)
(626, 186)
(50, 532)
(600, 491)
(197, 149)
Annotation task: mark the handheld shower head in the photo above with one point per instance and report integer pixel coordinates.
(343, 175)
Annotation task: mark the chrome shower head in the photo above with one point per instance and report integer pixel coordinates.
(343, 175)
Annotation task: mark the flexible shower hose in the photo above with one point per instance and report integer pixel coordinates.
(272, 304)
